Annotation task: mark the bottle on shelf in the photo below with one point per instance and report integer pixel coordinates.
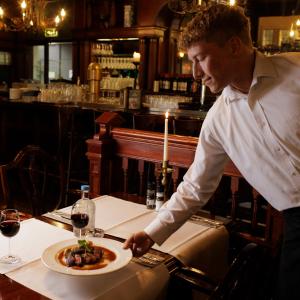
(156, 86)
(182, 84)
(175, 84)
(161, 81)
(85, 189)
(167, 82)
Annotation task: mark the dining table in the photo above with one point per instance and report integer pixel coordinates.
(197, 243)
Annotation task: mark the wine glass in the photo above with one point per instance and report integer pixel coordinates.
(79, 215)
(10, 226)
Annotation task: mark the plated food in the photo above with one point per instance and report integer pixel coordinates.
(85, 256)
(108, 256)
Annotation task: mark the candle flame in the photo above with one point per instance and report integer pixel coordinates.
(167, 114)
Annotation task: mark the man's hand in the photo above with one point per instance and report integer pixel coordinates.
(139, 243)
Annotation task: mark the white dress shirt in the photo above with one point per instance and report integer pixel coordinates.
(258, 131)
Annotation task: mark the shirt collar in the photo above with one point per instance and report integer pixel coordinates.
(263, 68)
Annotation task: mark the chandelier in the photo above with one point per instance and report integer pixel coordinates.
(31, 17)
(295, 29)
(184, 7)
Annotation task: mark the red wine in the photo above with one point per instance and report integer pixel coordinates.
(9, 228)
(79, 220)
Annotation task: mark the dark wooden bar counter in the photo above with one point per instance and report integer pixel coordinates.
(61, 130)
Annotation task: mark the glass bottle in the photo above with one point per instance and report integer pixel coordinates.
(175, 84)
(150, 197)
(85, 189)
(159, 201)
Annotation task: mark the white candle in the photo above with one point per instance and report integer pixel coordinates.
(136, 57)
(165, 157)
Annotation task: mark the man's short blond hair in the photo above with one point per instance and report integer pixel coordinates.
(217, 23)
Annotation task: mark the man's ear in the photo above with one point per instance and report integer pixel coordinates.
(235, 44)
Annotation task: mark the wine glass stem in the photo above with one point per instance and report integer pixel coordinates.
(9, 251)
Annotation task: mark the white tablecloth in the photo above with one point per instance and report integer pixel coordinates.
(194, 245)
(30, 242)
(129, 283)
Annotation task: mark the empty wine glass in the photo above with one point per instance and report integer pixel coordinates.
(10, 226)
(80, 216)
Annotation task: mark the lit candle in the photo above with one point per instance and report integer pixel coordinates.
(165, 157)
(136, 57)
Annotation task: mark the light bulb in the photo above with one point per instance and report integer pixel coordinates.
(57, 20)
(181, 54)
(23, 4)
(62, 13)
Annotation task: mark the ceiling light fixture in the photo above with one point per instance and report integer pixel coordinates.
(31, 17)
(184, 7)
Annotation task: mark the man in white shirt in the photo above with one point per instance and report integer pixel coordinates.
(255, 123)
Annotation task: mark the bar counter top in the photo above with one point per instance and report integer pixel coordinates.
(200, 114)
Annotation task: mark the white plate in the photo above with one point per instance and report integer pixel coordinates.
(123, 257)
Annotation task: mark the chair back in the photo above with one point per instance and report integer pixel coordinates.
(242, 280)
(34, 181)
(246, 279)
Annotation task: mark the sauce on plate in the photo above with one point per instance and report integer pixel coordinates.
(108, 257)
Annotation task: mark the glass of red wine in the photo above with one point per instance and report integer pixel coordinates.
(10, 226)
(80, 216)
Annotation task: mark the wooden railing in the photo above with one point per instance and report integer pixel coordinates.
(114, 144)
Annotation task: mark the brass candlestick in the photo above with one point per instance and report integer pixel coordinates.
(165, 170)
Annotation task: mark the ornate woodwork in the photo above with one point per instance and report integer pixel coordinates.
(145, 146)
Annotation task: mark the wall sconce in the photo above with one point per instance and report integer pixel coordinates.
(292, 32)
(180, 54)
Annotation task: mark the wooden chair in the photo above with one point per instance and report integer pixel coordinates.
(112, 153)
(245, 279)
(187, 126)
(33, 182)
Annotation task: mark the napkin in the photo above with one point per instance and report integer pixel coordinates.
(30, 242)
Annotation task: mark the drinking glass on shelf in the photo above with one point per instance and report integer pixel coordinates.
(80, 216)
(10, 226)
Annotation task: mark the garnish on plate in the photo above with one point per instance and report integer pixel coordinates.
(85, 253)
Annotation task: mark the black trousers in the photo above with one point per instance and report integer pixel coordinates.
(289, 270)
